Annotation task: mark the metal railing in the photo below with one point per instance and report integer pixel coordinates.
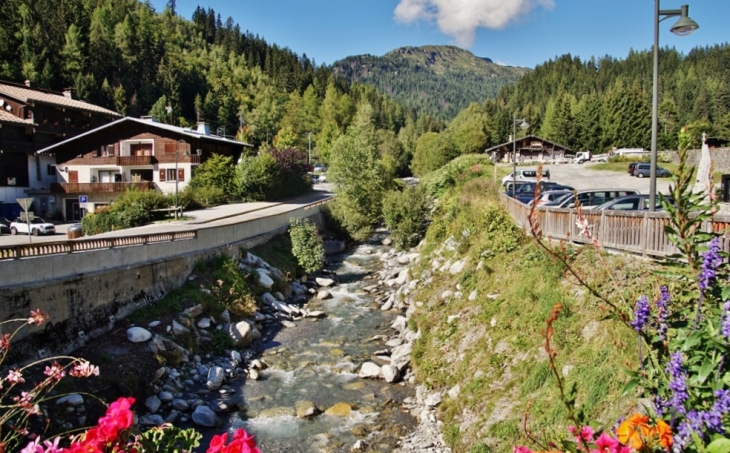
(85, 245)
(640, 232)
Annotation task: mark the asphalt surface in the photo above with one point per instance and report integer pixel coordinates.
(192, 220)
(581, 177)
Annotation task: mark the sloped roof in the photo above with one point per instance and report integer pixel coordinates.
(26, 95)
(529, 137)
(168, 127)
(6, 117)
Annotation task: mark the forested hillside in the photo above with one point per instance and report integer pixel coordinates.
(437, 80)
(606, 102)
(124, 55)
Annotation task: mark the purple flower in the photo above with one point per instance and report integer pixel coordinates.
(681, 437)
(677, 384)
(710, 262)
(713, 418)
(725, 328)
(662, 306)
(641, 313)
(660, 405)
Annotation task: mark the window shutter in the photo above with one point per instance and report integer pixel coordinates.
(181, 174)
(162, 175)
(170, 147)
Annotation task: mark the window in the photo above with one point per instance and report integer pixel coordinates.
(50, 170)
(107, 150)
(170, 176)
(141, 149)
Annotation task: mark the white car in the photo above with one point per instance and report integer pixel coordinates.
(37, 226)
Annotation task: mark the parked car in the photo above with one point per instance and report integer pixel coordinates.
(319, 168)
(632, 168)
(525, 174)
(37, 226)
(644, 170)
(591, 198)
(4, 225)
(638, 202)
(526, 192)
(550, 196)
(518, 184)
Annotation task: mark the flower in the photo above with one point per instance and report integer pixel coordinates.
(521, 450)
(664, 432)
(630, 431)
(725, 328)
(606, 444)
(47, 447)
(641, 314)
(5, 342)
(84, 369)
(15, 377)
(662, 306)
(244, 443)
(677, 384)
(37, 317)
(586, 433)
(55, 371)
(710, 262)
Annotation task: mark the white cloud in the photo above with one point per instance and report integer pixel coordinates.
(461, 18)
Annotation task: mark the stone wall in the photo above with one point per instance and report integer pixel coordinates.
(720, 158)
(86, 293)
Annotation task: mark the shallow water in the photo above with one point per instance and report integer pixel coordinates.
(318, 361)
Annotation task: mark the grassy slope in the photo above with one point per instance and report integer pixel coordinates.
(493, 351)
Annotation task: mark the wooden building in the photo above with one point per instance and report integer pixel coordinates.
(95, 167)
(32, 119)
(530, 149)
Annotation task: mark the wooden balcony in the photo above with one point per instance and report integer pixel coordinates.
(101, 187)
(169, 158)
(135, 160)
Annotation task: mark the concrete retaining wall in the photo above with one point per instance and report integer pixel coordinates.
(720, 158)
(86, 293)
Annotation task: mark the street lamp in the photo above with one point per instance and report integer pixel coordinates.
(523, 126)
(683, 27)
(310, 149)
(177, 173)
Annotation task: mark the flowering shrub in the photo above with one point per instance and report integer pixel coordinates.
(683, 340)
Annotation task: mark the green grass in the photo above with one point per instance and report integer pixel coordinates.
(494, 352)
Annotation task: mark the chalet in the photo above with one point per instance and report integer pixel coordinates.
(95, 167)
(32, 119)
(530, 149)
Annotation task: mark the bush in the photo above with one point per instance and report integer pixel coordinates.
(218, 172)
(406, 215)
(307, 245)
(462, 168)
(131, 209)
(255, 175)
(98, 222)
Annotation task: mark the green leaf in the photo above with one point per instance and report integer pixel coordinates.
(719, 446)
(630, 386)
(698, 443)
(707, 367)
(692, 341)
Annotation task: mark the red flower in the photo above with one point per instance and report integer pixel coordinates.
(241, 443)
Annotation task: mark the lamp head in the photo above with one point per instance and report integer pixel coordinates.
(684, 26)
(524, 125)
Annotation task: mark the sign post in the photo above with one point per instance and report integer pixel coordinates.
(25, 205)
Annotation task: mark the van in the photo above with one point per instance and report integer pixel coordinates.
(591, 198)
(525, 174)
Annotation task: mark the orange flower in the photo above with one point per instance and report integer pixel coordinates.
(628, 432)
(664, 432)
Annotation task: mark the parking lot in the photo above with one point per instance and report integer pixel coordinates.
(581, 177)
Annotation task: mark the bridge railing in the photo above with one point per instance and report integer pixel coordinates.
(639, 232)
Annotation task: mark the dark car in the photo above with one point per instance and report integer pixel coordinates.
(638, 202)
(632, 168)
(526, 193)
(4, 225)
(644, 170)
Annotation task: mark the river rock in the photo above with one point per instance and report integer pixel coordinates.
(387, 306)
(215, 378)
(369, 370)
(306, 409)
(151, 420)
(223, 406)
(204, 323)
(315, 314)
(390, 373)
(253, 374)
(267, 298)
(153, 403)
(277, 412)
(257, 364)
(264, 279)
(138, 334)
(180, 404)
(73, 399)
(400, 357)
(324, 294)
(340, 410)
(204, 416)
(178, 329)
(326, 282)
(243, 333)
(165, 397)
(284, 308)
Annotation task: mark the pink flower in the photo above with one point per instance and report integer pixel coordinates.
(522, 449)
(607, 444)
(586, 433)
(15, 377)
(55, 371)
(5, 342)
(37, 317)
(48, 447)
(84, 369)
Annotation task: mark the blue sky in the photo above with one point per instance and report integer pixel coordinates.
(513, 32)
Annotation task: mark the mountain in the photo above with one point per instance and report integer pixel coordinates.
(438, 80)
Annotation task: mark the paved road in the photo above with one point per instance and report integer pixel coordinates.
(581, 176)
(203, 218)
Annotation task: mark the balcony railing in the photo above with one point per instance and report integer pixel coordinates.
(135, 160)
(169, 158)
(101, 187)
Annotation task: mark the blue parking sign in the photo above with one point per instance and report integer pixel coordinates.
(83, 198)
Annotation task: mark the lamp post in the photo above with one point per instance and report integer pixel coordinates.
(177, 173)
(683, 27)
(310, 149)
(523, 126)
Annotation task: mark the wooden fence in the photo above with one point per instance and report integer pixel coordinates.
(640, 232)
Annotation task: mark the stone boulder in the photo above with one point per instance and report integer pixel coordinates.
(243, 333)
(306, 409)
(204, 416)
(369, 370)
(138, 334)
(216, 375)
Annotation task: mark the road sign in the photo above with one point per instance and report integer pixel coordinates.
(83, 198)
(24, 203)
(27, 216)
